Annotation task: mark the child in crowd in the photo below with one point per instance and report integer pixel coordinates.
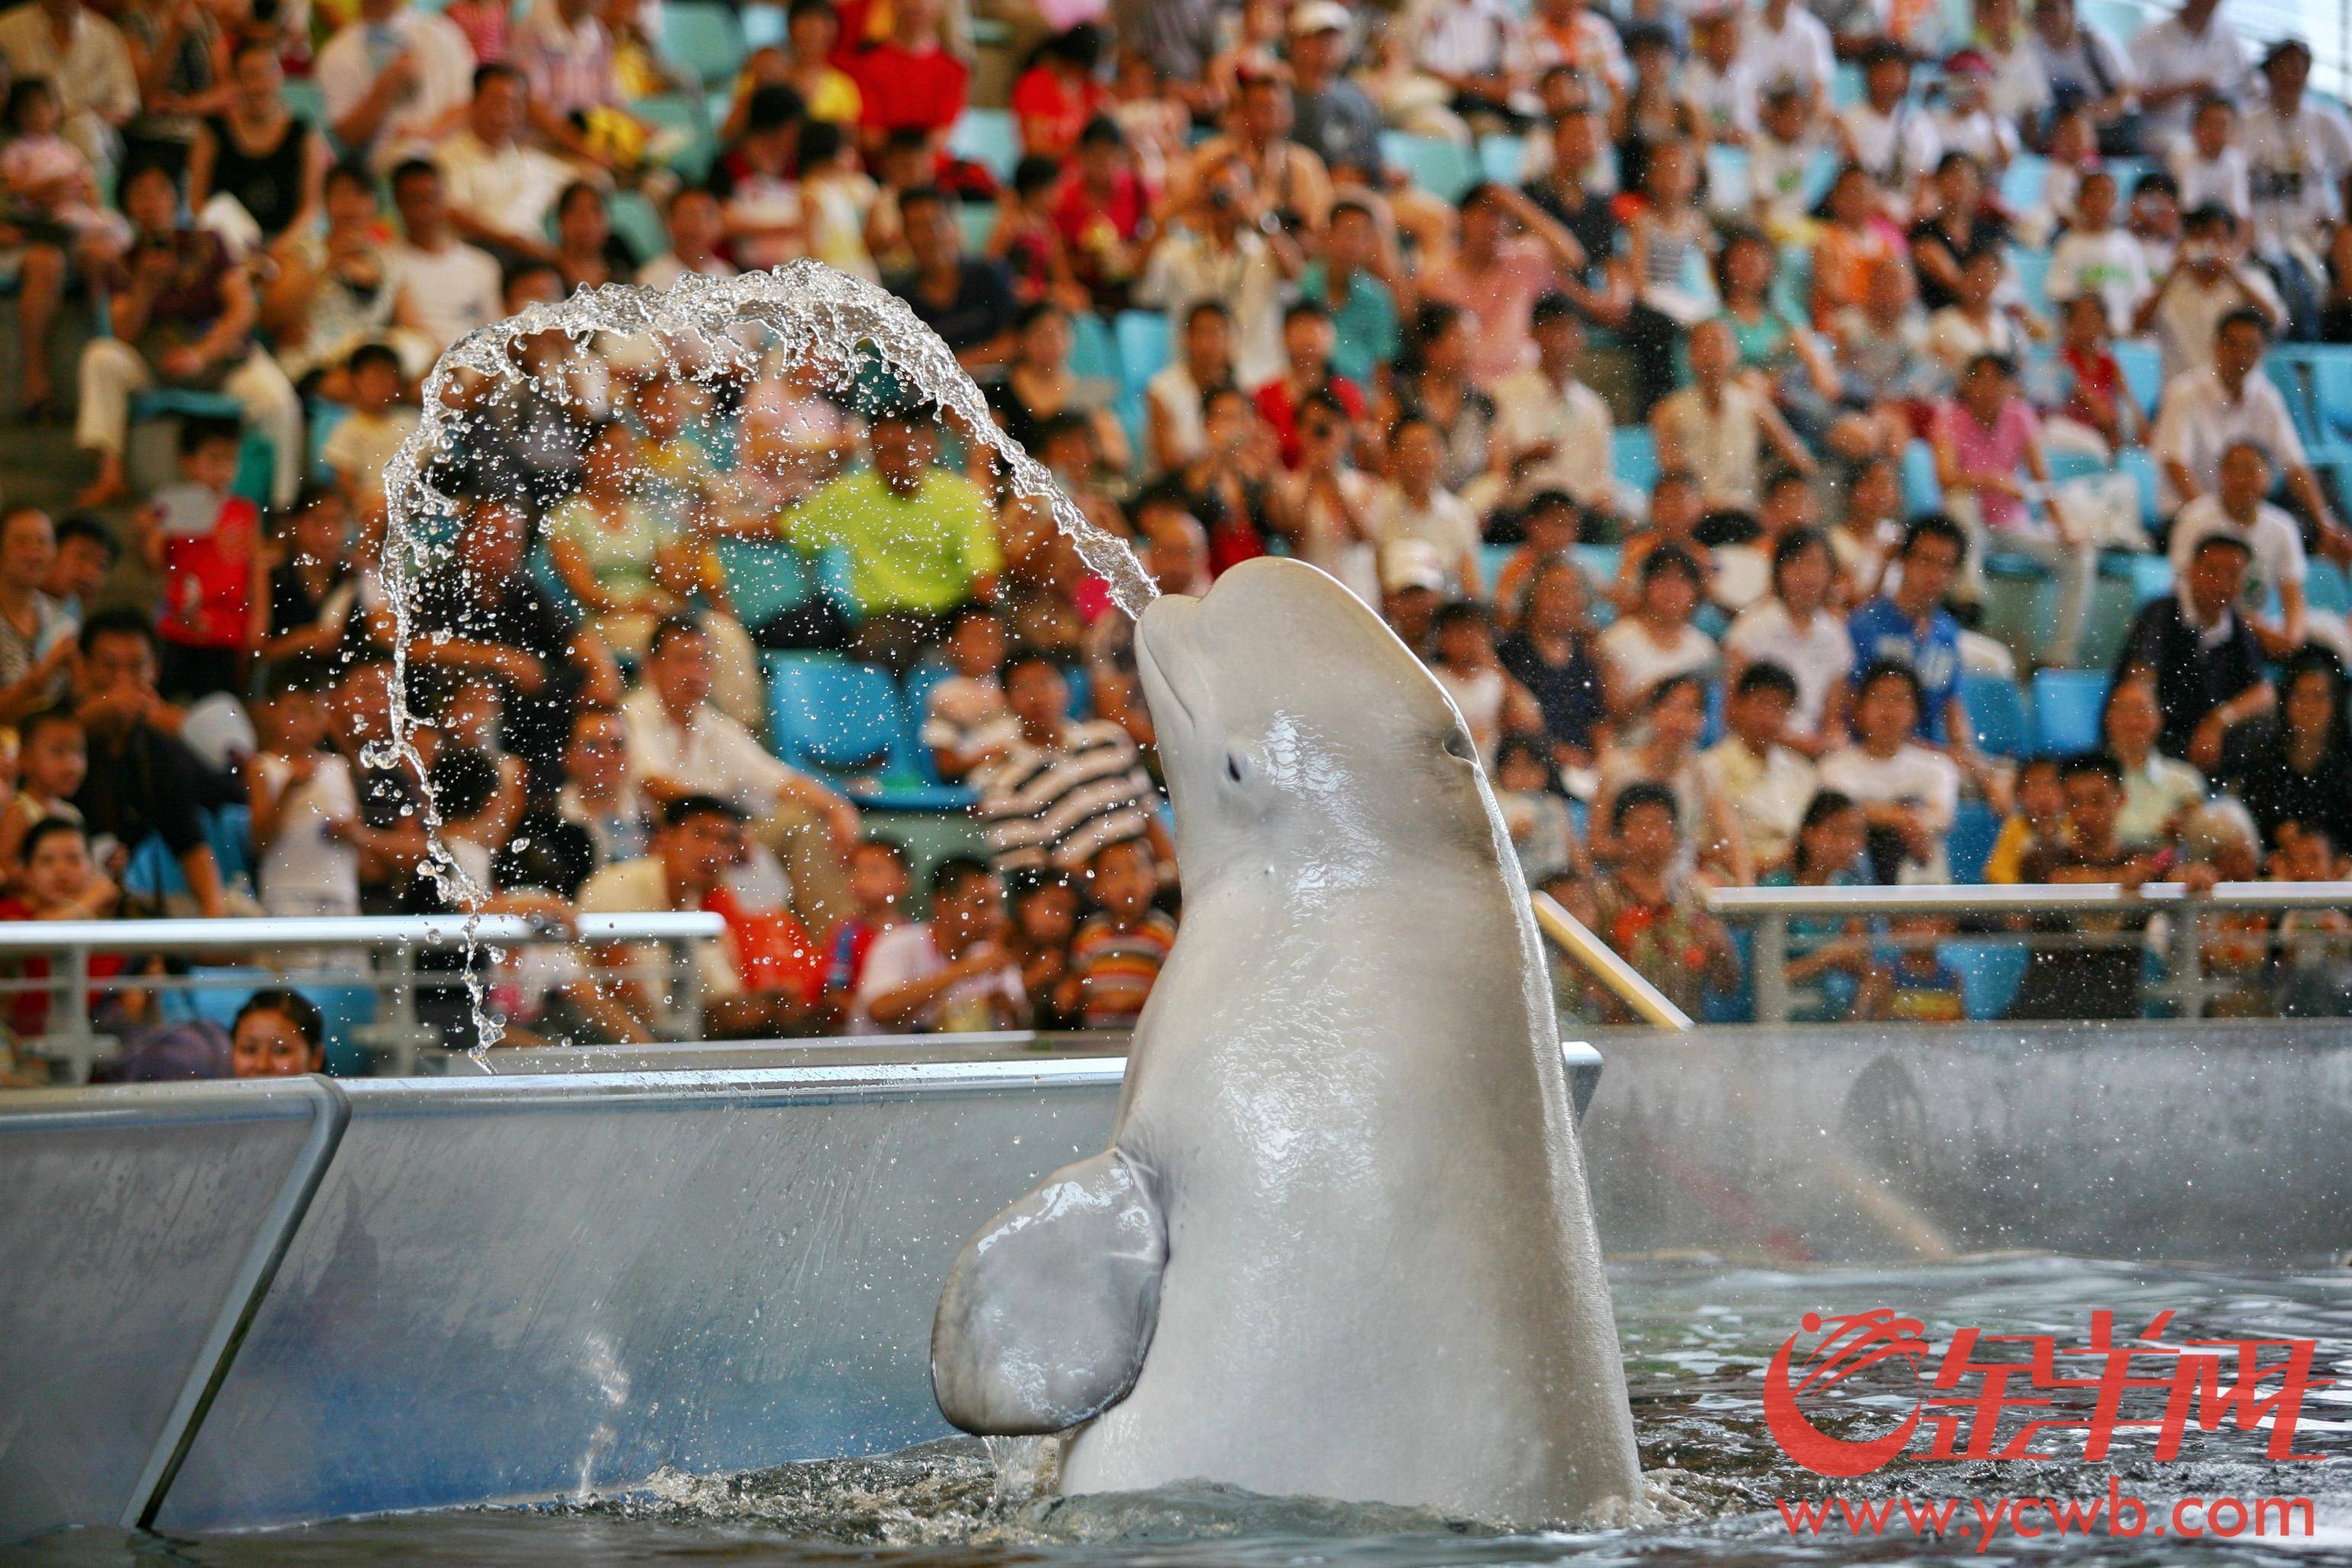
(1653, 919)
(1763, 783)
(2074, 154)
(1779, 160)
(838, 197)
(1964, 120)
(1909, 792)
(1922, 987)
(52, 760)
(1027, 243)
(2099, 405)
(1489, 700)
(1535, 809)
(305, 807)
(2097, 258)
(277, 1034)
(1045, 910)
(2154, 219)
(2039, 817)
(1856, 241)
(1834, 971)
(50, 190)
(2315, 946)
(1118, 953)
(365, 439)
(965, 721)
(880, 880)
(60, 882)
(204, 542)
(1885, 136)
(479, 800)
(2210, 167)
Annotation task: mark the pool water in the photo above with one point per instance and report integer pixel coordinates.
(1697, 1337)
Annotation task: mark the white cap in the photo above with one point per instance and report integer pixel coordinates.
(1411, 563)
(1318, 17)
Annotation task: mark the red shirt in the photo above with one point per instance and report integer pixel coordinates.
(1275, 407)
(1089, 224)
(1051, 112)
(923, 89)
(208, 579)
(28, 1010)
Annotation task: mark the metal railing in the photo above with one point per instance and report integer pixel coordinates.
(1769, 909)
(73, 1041)
(1627, 984)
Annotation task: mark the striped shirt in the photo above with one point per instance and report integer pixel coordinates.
(1056, 806)
(1116, 967)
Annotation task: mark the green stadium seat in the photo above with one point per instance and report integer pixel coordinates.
(703, 38)
(988, 136)
(1441, 166)
(2067, 708)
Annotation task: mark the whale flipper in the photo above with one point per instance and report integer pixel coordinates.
(1047, 1313)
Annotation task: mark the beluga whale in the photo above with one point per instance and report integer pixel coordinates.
(1340, 1244)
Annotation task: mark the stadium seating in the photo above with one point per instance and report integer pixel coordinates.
(2143, 368)
(1634, 457)
(988, 136)
(1922, 491)
(849, 724)
(1996, 711)
(703, 39)
(1990, 972)
(1976, 828)
(2067, 706)
(1443, 168)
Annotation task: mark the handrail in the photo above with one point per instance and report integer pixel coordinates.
(2023, 899)
(347, 931)
(1771, 908)
(1626, 983)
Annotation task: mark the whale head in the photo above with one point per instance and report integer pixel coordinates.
(1299, 735)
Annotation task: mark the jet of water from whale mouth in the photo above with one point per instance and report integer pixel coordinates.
(828, 328)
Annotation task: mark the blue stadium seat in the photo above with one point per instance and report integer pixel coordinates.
(2136, 462)
(1093, 352)
(1634, 457)
(2143, 369)
(2065, 463)
(689, 116)
(1491, 560)
(703, 38)
(1975, 830)
(229, 830)
(1991, 974)
(835, 716)
(2151, 578)
(1441, 166)
(1144, 345)
(1996, 710)
(977, 219)
(2068, 705)
(2023, 186)
(988, 136)
(1500, 158)
(2289, 367)
(1922, 491)
(2033, 268)
(1729, 186)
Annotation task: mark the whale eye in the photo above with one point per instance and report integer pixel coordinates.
(1233, 767)
(1458, 745)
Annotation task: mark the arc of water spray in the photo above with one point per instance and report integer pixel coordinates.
(820, 318)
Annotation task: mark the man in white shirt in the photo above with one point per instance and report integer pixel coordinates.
(1786, 43)
(1551, 429)
(1886, 132)
(1794, 629)
(2205, 412)
(2082, 65)
(2297, 154)
(442, 288)
(1413, 505)
(2183, 58)
(1227, 248)
(501, 191)
(1475, 47)
(2235, 506)
(2094, 257)
(394, 81)
(1767, 784)
(680, 745)
(82, 57)
(2208, 279)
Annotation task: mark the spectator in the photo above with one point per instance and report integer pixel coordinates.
(53, 196)
(2095, 259)
(921, 541)
(2101, 981)
(952, 973)
(1765, 782)
(36, 635)
(1554, 431)
(1223, 245)
(1331, 115)
(2298, 154)
(85, 557)
(1911, 625)
(2272, 540)
(331, 290)
(1715, 426)
(1463, 659)
(303, 803)
(83, 58)
(1432, 379)
(368, 437)
(1666, 752)
(966, 722)
(393, 80)
(2288, 764)
(1834, 973)
(2101, 413)
(701, 838)
(1554, 656)
(53, 761)
(1059, 94)
(600, 817)
(968, 303)
(183, 318)
(837, 199)
(2209, 166)
(2204, 412)
(907, 81)
(696, 227)
(1982, 438)
(501, 191)
(1656, 642)
(812, 36)
(2206, 281)
(1511, 253)
(2205, 659)
(681, 745)
(2160, 793)
(1118, 954)
(1796, 630)
(1534, 811)
(442, 288)
(2038, 818)
(756, 180)
(1065, 788)
(568, 56)
(2183, 59)
(1175, 397)
(1653, 917)
(205, 542)
(278, 1033)
(880, 880)
(2083, 66)
(142, 781)
(1909, 792)
(256, 171)
(587, 252)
